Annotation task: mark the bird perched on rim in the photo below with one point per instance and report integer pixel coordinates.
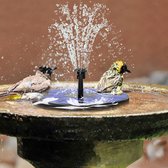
(39, 82)
(112, 79)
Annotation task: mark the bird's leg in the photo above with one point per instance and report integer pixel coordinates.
(119, 90)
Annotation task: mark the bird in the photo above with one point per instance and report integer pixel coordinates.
(39, 82)
(112, 79)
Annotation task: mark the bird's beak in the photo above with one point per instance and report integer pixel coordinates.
(54, 68)
(125, 69)
(128, 71)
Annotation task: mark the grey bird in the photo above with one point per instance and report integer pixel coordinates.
(39, 82)
(112, 79)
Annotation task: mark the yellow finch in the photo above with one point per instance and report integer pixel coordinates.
(112, 79)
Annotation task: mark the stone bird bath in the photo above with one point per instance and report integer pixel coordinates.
(50, 138)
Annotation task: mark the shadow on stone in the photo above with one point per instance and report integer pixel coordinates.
(51, 154)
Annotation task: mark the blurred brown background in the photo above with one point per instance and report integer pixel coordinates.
(24, 29)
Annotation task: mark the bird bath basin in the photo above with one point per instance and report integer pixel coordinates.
(62, 138)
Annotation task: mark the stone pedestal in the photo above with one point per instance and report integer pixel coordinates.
(51, 138)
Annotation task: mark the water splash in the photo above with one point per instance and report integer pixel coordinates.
(76, 30)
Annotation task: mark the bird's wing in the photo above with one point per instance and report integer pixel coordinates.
(12, 88)
(34, 83)
(109, 81)
(105, 82)
(117, 80)
(41, 85)
(24, 85)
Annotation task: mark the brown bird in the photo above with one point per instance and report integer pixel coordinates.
(39, 82)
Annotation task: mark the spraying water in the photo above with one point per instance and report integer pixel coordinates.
(76, 30)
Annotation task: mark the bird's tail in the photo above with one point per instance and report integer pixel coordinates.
(2, 94)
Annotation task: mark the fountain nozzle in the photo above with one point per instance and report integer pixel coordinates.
(80, 76)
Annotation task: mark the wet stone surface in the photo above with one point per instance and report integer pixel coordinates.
(139, 103)
(149, 108)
